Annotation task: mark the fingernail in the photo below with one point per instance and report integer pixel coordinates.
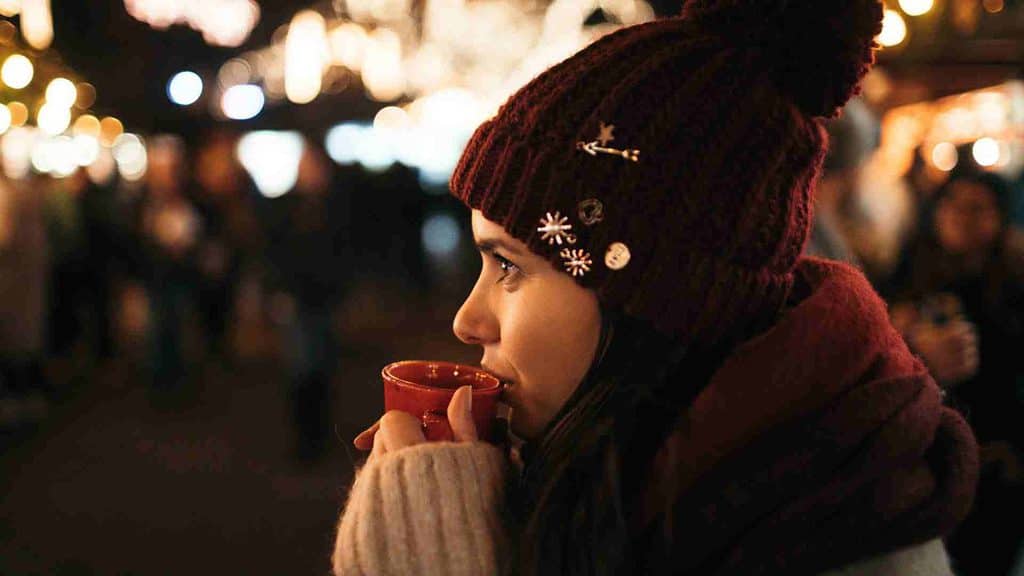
(469, 401)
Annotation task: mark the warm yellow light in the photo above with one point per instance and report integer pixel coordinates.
(17, 71)
(894, 29)
(348, 42)
(86, 96)
(86, 125)
(110, 129)
(390, 118)
(5, 118)
(944, 156)
(916, 7)
(87, 149)
(10, 7)
(53, 118)
(19, 113)
(993, 6)
(383, 76)
(37, 23)
(61, 92)
(986, 152)
(305, 55)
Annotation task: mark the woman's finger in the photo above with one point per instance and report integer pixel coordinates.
(364, 441)
(378, 448)
(400, 429)
(460, 415)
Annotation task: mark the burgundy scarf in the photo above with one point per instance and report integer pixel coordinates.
(818, 443)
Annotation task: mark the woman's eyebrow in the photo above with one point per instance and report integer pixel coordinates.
(488, 245)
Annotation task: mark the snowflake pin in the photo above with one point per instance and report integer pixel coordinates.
(577, 262)
(556, 230)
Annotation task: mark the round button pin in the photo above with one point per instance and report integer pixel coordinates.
(617, 256)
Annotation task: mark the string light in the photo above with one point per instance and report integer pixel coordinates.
(986, 152)
(61, 92)
(894, 29)
(17, 71)
(916, 7)
(305, 56)
(185, 88)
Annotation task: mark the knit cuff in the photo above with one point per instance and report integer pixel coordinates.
(433, 508)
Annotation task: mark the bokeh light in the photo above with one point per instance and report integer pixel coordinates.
(986, 152)
(305, 56)
(110, 129)
(894, 29)
(348, 43)
(19, 113)
(185, 88)
(87, 125)
(916, 7)
(16, 151)
(993, 6)
(242, 102)
(61, 92)
(37, 23)
(53, 118)
(391, 118)
(86, 95)
(10, 7)
(87, 149)
(130, 155)
(945, 156)
(17, 71)
(234, 71)
(272, 159)
(440, 234)
(5, 118)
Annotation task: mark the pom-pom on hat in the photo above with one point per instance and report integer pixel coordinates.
(670, 166)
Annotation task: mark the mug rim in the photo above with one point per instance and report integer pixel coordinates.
(387, 372)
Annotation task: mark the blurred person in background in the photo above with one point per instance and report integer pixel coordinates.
(106, 256)
(958, 297)
(230, 239)
(307, 249)
(67, 239)
(853, 137)
(24, 254)
(169, 231)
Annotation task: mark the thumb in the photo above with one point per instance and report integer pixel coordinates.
(460, 415)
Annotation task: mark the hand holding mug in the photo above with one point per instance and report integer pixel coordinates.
(433, 401)
(398, 429)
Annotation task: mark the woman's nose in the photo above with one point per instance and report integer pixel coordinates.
(475, 323)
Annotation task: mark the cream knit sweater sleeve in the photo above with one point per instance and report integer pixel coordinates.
(428, 509)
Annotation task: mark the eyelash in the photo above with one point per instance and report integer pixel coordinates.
(509, 269)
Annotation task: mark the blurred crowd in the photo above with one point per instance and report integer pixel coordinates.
(951, 268)
(174, 271)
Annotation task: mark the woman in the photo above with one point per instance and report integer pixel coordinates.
(958, 296)
(694, 398)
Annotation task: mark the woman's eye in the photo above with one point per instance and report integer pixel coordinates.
(508, 268)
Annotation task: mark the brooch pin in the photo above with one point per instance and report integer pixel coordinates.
(591, 211)
(555, 229)
(600, 145)
(617, 256)
(577, 262)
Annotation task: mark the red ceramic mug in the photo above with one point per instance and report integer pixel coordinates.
(424, 388)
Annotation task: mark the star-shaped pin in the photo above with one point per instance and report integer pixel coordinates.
(606, 134)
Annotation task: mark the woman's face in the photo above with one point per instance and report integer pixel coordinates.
(539, 329)
(967, 219)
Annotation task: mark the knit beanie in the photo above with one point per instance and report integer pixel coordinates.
(669, 166)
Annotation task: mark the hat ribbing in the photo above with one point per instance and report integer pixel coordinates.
(716, 210)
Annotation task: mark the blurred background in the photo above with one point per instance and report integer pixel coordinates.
(220, 218)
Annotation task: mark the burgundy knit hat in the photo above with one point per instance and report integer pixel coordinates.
(669, 166)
